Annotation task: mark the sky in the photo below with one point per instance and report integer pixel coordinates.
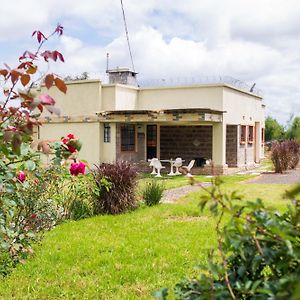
(255, 41)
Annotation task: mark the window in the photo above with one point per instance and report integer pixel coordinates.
(243, 134)
(262, 135)
(127, 137)
(250, 134)
(106, 133)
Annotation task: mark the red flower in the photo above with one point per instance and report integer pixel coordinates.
(71, 148)
(33, 216)
(21, 176)
(65, 140)
(71, 136)
(77, 168)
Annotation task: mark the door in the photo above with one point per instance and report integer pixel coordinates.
(151, 141)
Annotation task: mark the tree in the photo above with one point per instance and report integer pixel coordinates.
(273, 130)
(293, 131)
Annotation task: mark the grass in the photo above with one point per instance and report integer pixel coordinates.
(126, 256)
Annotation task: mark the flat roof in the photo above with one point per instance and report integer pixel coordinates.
(162, 111)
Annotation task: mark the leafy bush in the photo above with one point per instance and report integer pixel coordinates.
(152, 192)
(285, 155)
(116, 184)
(258, 252)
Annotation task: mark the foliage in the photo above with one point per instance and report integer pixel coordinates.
(273, 130)
(116, 183)
(152, 192)
(258, 251)
(293, 131)
(285, 155)
(22, 213)
(127, 250)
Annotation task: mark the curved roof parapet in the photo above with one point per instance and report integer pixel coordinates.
(201, 80)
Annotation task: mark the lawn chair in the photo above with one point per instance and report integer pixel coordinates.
(152, 165)
(178, 164)
(158, 166)
(189, 167)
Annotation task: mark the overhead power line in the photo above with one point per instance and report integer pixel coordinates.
(127, 36)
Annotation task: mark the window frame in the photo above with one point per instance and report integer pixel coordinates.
(124, 147)
(106, 133)
(250, 134)
(263, 136)
(243, 134)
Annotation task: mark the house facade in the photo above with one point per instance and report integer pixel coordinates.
(120, 120)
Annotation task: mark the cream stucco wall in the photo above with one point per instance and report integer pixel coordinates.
(241, 108)
(82, 98)
(180, 97)
(88, 134)
(108, 150)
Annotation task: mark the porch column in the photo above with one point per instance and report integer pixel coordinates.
(257, 142)
(219, 147)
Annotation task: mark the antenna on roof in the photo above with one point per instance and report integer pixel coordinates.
(107, 59)
(252, 87)
(127, 35)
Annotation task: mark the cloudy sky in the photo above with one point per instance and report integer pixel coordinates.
(253, 41)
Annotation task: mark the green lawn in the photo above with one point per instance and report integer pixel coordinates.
(126, 256)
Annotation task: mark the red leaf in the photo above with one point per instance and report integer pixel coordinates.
(3, 72)
(31, 69)
(60, 56)
(49, 81)
(46, 99)
(14, 76)
(60, 84)
(25, 96)
(25, 78)
(59, 29)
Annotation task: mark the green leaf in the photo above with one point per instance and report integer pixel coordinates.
(30, 165)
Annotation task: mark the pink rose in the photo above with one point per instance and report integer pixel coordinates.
(77, 168)
(21, 176)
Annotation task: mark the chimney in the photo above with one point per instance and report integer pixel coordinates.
(122, 76)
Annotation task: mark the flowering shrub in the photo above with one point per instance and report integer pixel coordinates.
(116, 183)
(20, 217)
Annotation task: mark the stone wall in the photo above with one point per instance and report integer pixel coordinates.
(188, 142)
(232, 145)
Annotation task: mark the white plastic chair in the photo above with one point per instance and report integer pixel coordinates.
(158, 166)
(189, 168)
(152, 165)
(178, 164)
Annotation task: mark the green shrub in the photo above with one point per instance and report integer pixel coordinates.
(258, 252)
(115, 187)
(152, 193)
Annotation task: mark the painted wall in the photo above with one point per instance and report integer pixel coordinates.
(83, 97)
(108, 150)
(180, 97)
(88, 134)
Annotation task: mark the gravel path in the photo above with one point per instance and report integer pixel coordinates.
(289, 177)
(170, 196)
